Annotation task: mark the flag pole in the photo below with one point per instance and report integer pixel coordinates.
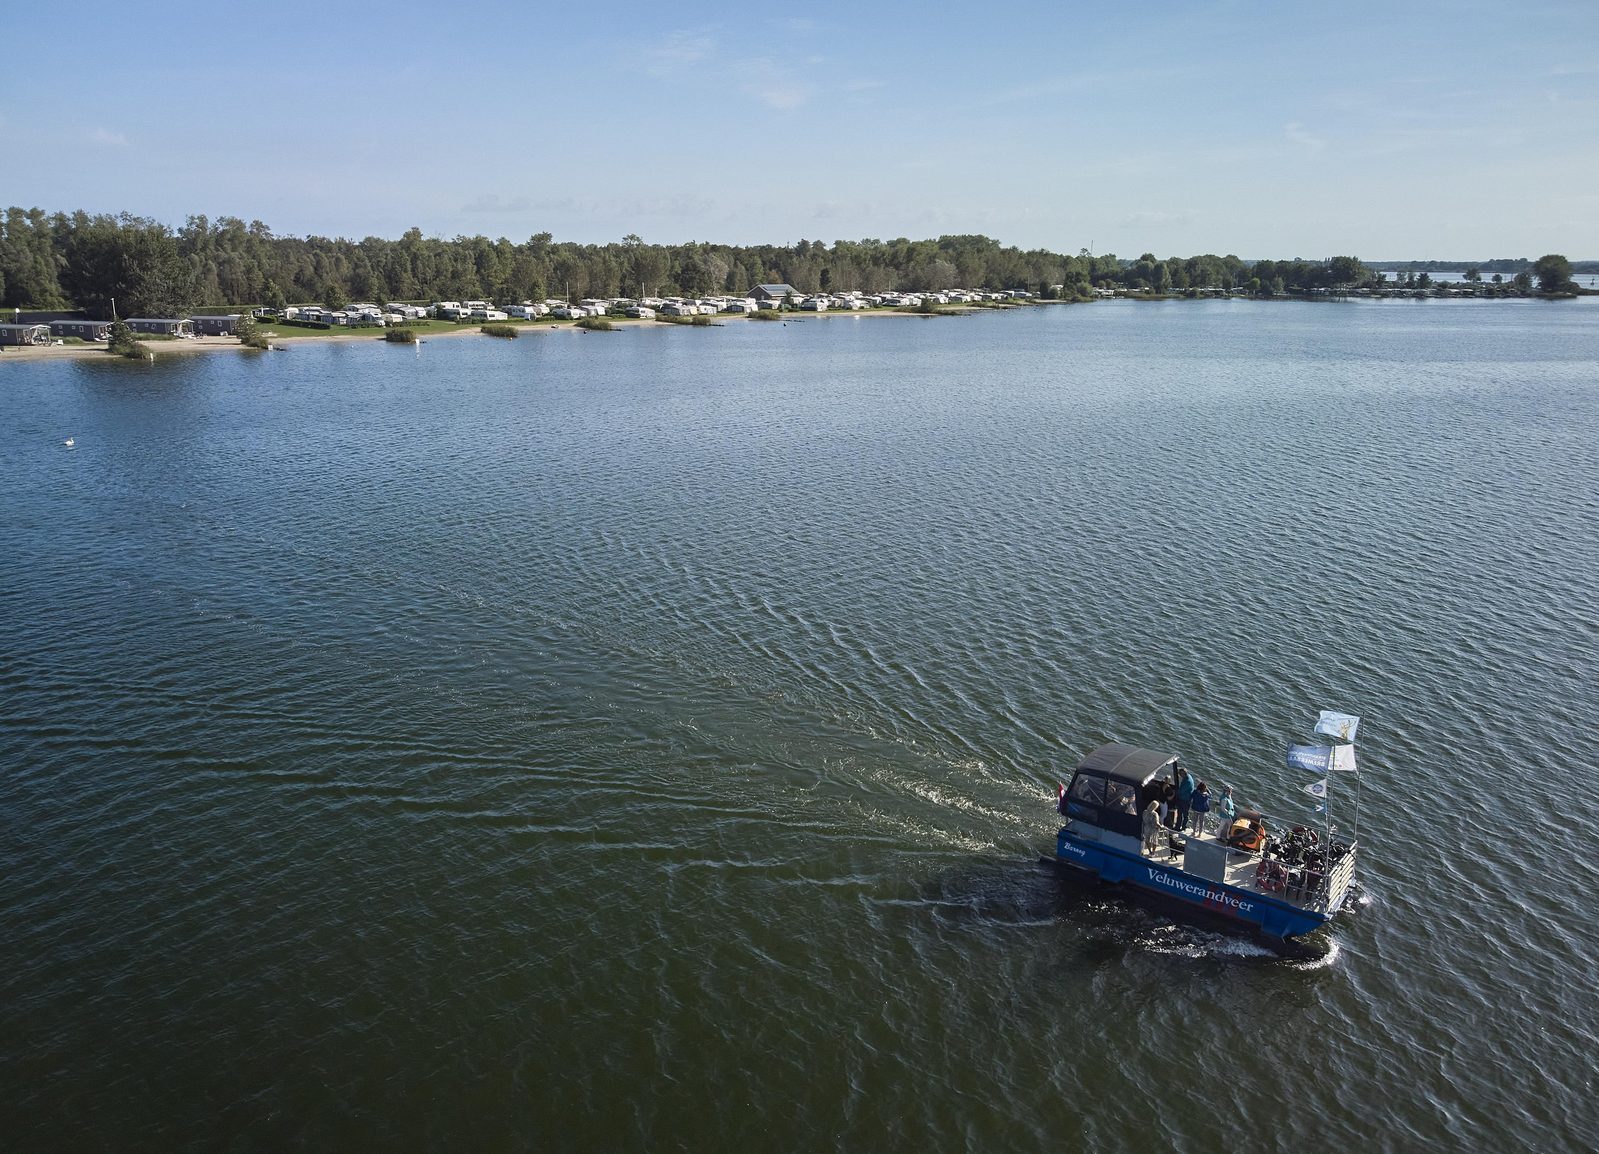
(1326, 848)
(1355, 835)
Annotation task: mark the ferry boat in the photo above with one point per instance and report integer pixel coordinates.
(1282, 880)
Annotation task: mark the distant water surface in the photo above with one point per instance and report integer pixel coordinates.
(645, 740)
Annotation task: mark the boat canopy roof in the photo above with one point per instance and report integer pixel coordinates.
(1125, 762)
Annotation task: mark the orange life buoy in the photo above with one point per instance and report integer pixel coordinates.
(1271, 876)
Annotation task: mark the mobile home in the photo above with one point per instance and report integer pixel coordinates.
(161, 326)
(24, 334)
(216, 326)
(88, 330)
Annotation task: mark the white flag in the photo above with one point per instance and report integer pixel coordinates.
(1317, 789)
(1339, 725)
(1344, 759)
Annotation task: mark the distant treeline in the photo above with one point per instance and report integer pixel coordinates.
(62, 260)
(1499, 265)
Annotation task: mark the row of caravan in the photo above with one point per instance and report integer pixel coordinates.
(52, 332)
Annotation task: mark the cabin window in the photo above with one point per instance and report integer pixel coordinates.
(1121, 797)
(1088, 789)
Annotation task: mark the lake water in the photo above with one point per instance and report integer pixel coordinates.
(646, 740)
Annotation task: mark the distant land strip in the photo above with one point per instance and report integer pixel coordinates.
(101, 266)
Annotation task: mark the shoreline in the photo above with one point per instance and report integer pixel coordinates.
(11, 354)
(282, 341)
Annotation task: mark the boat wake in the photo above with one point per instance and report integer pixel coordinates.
(1187, 942)
(1180, 941)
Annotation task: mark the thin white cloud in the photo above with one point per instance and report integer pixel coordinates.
(1297, 133)
(1155, 219)
(1395, 141)
(679, 52)
(1085, 81)
(490, 204)
(108, 138)
(773, 85)
(671, 206)
(864, 85)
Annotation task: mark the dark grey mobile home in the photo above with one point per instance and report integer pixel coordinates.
(161, 326)
(88, 330)
(24, 334)
(216, 326)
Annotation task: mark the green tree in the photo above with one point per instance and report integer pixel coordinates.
(1554, 274)
(249, 333)
(1473, 274)
(333, 296)
(1346, 270)
(124, 344)
(28, 260)
(128, 259)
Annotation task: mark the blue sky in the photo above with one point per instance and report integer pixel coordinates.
(1393, 130)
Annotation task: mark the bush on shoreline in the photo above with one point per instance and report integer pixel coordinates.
(123, 343)
(766, 315)
(250, 334)
(595, 324)
(505, 332)
(400, 336)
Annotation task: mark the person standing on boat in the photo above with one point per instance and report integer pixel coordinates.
(1185, 797)
(1152, 825)
(1226, 811)
(1201, 808)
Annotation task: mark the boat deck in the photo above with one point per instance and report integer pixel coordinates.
(1241, 867)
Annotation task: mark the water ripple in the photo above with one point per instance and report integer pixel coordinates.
(648, 742)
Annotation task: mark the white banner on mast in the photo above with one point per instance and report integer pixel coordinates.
(1337, 725)
(1322, 758)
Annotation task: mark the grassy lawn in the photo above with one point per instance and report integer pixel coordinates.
(374, 332)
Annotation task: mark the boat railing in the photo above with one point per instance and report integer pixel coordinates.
(1329, 891)
(1322, 896)
(1339, 879)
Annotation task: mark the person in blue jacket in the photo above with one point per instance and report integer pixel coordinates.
(1201, 808)
(1185, 797)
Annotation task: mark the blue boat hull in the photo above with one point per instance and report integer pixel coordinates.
(1278, 919)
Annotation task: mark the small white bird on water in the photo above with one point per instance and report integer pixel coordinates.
(70, 441)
